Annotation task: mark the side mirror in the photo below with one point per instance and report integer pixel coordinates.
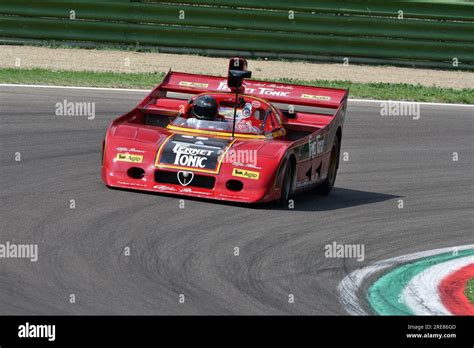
(237, 63)
(236, 77)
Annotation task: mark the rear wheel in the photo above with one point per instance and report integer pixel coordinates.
(327, 185)
(286, 186)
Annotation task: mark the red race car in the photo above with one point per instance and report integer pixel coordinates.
(230, 139)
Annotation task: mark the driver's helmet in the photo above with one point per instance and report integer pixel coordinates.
(204, 107)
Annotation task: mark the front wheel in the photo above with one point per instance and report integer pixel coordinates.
(327, 185)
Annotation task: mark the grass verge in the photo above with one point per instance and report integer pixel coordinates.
(470, 291)
(38, 76)
(383, 91)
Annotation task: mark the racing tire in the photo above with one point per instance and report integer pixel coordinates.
(286, 186)
(326, 186)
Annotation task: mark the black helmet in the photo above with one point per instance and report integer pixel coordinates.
(205, 108)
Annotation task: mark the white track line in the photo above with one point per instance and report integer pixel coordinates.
(408, 102)
(421, 293)
(77, 87)
(349, 287)
(148, 90)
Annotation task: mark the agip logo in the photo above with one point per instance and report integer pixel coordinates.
(242, 173)
(127, 157)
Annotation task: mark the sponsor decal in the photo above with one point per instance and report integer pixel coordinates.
(316, 146)
(189, 190)
(247, 110)
(164, 188)
(246, 126)
(263, 89)
(233, 196)
(185, 178)
(131, 184)
(126, 149)
(128, 157)
(243, 173)
(194, 153)
(256, 104)
(193, 84)
(320, 144)
(249, 165)
(312, 148)
(315, 97)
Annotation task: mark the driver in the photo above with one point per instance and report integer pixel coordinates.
(205, 108)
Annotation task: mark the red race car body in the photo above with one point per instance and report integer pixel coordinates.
(269, 142)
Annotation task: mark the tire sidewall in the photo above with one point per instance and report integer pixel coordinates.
(286, 185)
(327, 185)
(335, 147)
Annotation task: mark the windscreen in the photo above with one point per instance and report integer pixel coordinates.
(249, 120)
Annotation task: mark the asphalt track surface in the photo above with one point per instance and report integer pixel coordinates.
(190, 251)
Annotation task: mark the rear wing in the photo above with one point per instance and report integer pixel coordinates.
(273, 92)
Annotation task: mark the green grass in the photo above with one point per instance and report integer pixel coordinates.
(397, 91)
(470, 290)
(80, 78)
(384, 91)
